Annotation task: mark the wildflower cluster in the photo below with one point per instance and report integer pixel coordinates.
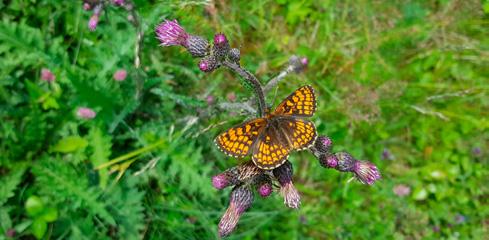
(246, 177)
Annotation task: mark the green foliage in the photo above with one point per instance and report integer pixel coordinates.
(407, 77)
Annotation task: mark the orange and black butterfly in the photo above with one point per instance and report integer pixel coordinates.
(270, 139)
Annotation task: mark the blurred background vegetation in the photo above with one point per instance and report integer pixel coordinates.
(400, 83)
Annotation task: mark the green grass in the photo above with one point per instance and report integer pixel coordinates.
(409, 77)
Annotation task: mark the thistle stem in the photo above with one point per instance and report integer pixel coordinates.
(245, 74)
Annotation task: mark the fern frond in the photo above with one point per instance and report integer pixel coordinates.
(9, 183)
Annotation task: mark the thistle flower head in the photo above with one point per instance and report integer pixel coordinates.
(241, 199)
(292, 198)
(197, 46)
(118, 2)
(234, 55)
(220, 39)
(283, 174)
(304, 61)
(93, 22)
(87, 6)
(85, 113)
(170, 33)
(221, 181)
(328, 160)
(120, 75)
(346, 162)
(323, 144)
(298, 64)
(208, 64)
(264, 185)
(210, 100)
(366, 172)
(47, 75)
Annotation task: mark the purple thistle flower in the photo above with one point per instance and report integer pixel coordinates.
(265, 190)
(241, 199)
(210, 100)
(283, 174)
(87, 6)
(304, 61)
(118, 2)
(85, 113)
(221, 181)
(386, 154)
(92, 23)
(401, 190)
(170, 33)
(120, 75)
(323, 144)
(220, 39)
(208, 64)
(47, 75)
(328, 160)
(366, 172)
(10, 233)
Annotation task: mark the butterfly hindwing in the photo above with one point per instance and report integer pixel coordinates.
(268, 151)
(300, 133)
(238, 141)
(301, 103)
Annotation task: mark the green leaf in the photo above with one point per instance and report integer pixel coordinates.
(9, 184)
(101, 145)
(70, 144)
(49, 214)
(34, 206)
(39, 228)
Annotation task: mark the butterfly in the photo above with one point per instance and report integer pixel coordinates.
(271, 138)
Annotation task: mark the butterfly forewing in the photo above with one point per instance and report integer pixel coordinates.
(238, 140)
(301, 103)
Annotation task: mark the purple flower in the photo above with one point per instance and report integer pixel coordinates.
(265, 190)
(85, 113)
(460, 219)
(92, 23)
(170, 33)
(10, 233)
(120, 75)
(323, 144)
(476, 151)
(220, 39)
(328, 160)
(346, 162)
(208, 64)
(283, 174)
(304, 61)
(241, 199)
(386, 154)
(118, 2)
(87, 6)
(366, 172)
(401, 190)
(221, 181)
(210, 100)
(47, 75)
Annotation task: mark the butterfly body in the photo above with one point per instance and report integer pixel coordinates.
(270, 139)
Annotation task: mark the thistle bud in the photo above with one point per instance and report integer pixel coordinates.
(208, 64)
(346, 163)
(118, 2)
(241, 199)
(234, 55)
(298, 64)
(170, 33)
(120, 75)
(221, 46)
(366, 172)
(328, 160)
(323, 144)
(197, 46)
(87, 6)
(264, 185)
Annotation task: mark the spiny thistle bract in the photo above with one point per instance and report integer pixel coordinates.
(244, 176)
